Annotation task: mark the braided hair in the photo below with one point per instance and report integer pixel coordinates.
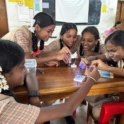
(64, 29)
(116, 38)
(93, 30)
(43, 20)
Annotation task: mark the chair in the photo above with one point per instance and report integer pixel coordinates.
(110, 109)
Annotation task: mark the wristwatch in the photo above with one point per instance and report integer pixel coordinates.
(33, 93)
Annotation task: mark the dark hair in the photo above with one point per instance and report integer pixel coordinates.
(43, 20)
(93, 30)
(117, 23)
(11, 55)
(117, 39)
(64, 29)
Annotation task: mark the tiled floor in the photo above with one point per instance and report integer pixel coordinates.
(80, 119)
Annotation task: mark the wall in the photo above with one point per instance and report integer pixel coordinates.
(107, 19)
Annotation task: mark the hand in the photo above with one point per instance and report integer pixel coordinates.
(88, 60)
(52, 63)
(93, 72)
(90, 53)
(64, 56)
(65, 50)
(100, 64)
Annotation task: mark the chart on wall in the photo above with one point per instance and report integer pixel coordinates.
(94, 11)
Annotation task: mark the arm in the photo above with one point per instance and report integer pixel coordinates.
(71, 104)
(57, 57)
(50, 49)
(32, 85)
(44, 54)
(116, 70)
(21, 39)
(102, 66)
(90, 53)
(42, 60)
(89, 59)
(102, 55)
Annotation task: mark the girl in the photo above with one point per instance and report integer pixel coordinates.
(68, 41)
(12, 74)
(90, 47)
(115, 47)
(90, 44)
(117, 26)
(28, 38)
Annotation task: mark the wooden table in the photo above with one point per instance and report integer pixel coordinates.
(57, 83)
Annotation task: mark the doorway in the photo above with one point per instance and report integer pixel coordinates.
(3, 18)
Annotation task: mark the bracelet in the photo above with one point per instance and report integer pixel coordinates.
(33, 93)
(92, 78)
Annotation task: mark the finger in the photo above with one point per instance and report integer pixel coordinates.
(94, 62)
(65, 61)
(85, 61)
(66, 50)
(67, 58)
(92, 68)
(57, 65)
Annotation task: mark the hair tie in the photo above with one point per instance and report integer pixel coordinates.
(32, 29)
(3, 82)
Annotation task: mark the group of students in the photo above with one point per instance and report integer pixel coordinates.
(13, 54)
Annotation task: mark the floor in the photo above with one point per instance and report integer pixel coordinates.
(81, 113)
(80, 119)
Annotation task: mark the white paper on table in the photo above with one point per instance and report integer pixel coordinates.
(75, 11)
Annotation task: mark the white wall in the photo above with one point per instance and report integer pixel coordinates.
(107, 19)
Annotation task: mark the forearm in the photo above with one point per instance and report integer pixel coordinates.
(31, 82)
(45, 59)
(41, 60)
(44, 54)
(68, 107)
(32, 85)
(116, 70)
(74, 101)
(101, 57)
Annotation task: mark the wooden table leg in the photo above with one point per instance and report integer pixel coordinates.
(120, 118)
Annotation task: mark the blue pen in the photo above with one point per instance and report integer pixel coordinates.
(40, 71)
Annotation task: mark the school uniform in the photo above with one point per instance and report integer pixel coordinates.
(22, 36)
(56, 46)
(111, 97)
(12, 112)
